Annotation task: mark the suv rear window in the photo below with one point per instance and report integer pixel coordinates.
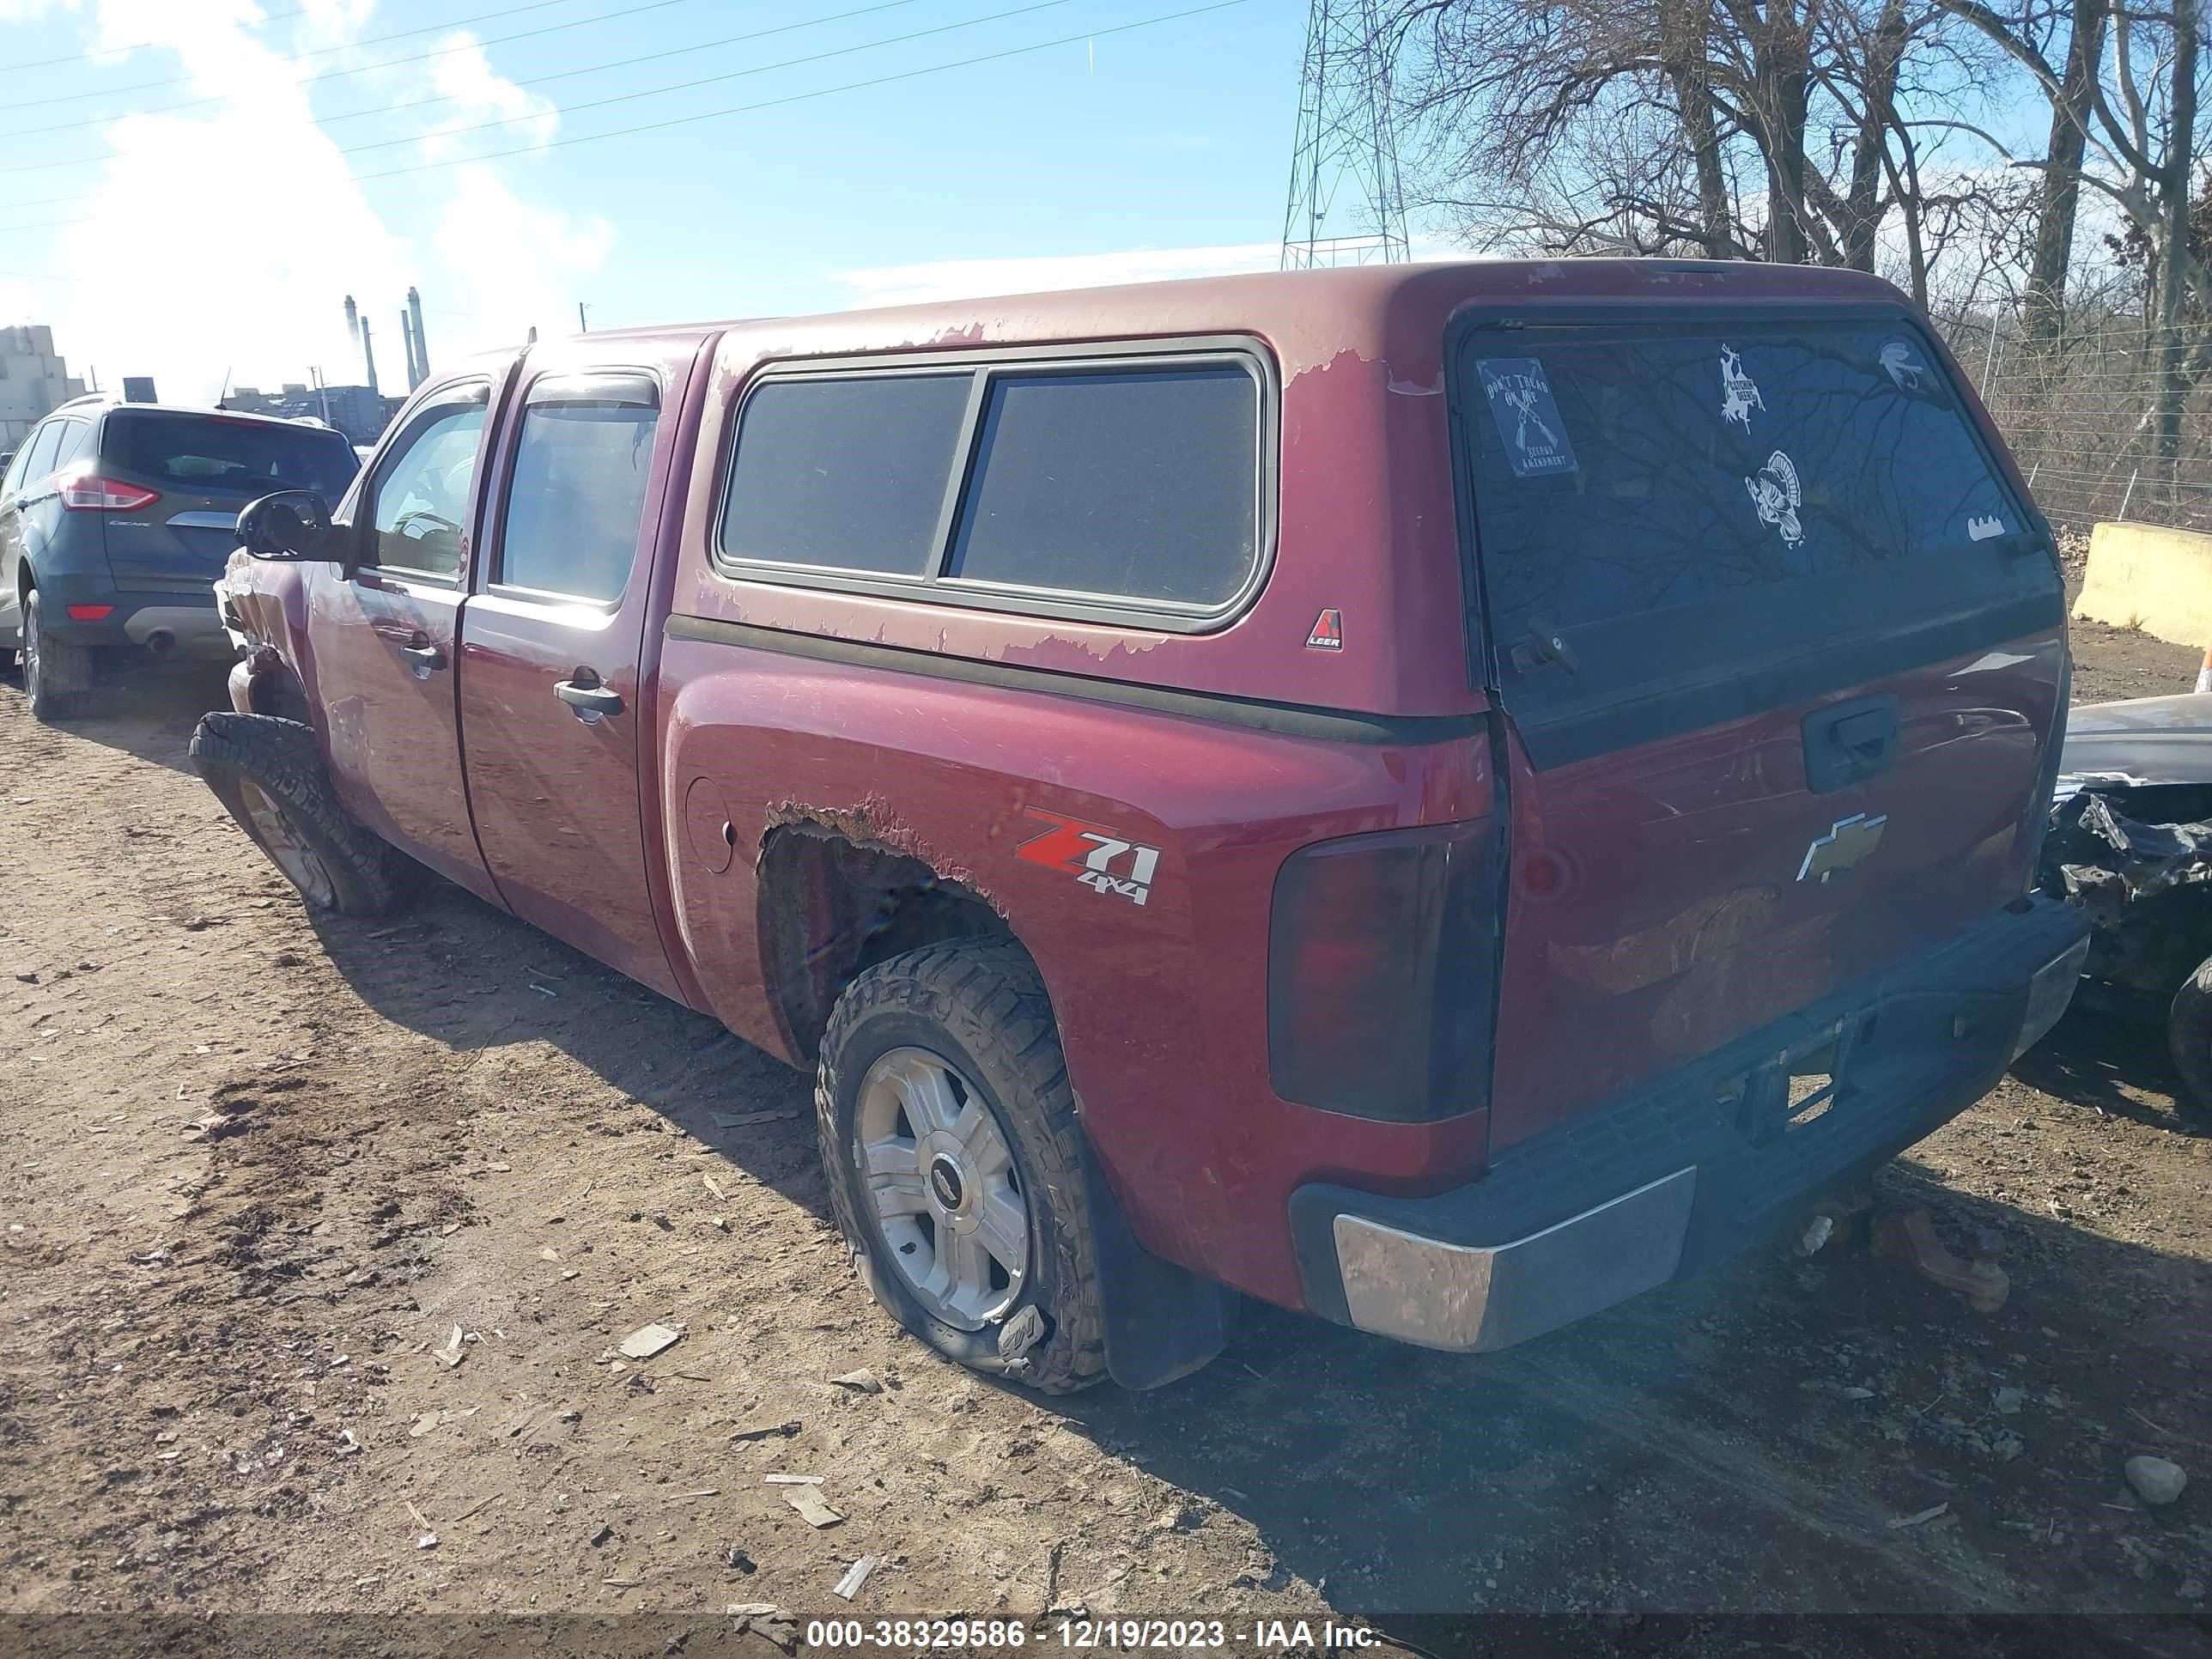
(1673, 501)
(207, 452)
(1127, 485)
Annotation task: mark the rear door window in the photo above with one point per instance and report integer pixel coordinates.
(207, 453)
(1666, 505)
(577, 492)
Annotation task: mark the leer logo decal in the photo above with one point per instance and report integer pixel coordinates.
(1327, 631)
(1090, 854)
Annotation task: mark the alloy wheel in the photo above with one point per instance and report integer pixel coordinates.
(945, 1197)
(300, 862)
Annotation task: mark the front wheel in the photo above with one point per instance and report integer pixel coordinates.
(949, 1136)
(2188, 1038)
(269, 775)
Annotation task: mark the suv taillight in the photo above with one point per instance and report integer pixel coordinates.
(1382, 962)
(84, 490)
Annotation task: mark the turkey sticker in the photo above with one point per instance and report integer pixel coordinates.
(1529, 422)
(1776, 494)
(1739, 391)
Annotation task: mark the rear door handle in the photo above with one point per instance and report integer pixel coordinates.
(426, 658)
(590, 699)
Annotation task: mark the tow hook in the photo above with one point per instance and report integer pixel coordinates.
(1910, 1235)
(1853, 1220)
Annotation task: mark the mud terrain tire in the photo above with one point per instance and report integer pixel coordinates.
(270, 776)
(57, 673)
(977, 1006)
(2189, 1037)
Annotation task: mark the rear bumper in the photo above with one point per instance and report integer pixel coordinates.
(183, 623)
(1699, 1165)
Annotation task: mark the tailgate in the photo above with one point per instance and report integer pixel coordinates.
(202, 470)
(1783, 657)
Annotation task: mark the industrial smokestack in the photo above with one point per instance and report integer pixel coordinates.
(353, 320)
(407, 350)
(367, 354)
(422, 345)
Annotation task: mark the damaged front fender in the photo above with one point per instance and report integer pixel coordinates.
(2145, 884)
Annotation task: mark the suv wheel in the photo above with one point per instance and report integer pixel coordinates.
(949, 1135)
(57, 673)
(270, 776)
(2189, 1037)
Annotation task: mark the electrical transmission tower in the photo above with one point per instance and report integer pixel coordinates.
(1346, 206)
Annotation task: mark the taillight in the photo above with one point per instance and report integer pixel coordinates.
(1381, 954)
(85, 491)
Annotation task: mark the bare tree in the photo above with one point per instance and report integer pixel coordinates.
(2137, 127)
(1769, 129)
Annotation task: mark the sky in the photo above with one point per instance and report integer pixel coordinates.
(181, 201)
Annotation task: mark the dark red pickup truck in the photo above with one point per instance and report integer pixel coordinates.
(1440, 797)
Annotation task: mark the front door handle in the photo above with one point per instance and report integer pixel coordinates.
(426, 658)
(592, 699)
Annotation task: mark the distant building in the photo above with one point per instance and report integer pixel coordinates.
(355, 411)
(33, 381)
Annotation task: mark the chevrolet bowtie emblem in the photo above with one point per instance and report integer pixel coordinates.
(1848, 840)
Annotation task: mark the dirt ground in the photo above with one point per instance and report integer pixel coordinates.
(258, 1169)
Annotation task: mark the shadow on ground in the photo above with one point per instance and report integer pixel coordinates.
(2115, 1065)
(1770, 1425)
(146, 708)
(474, 978)
(1776, 1422)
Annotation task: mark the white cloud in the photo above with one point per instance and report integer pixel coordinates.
(518, 265)
(221, 240)
(463, 77)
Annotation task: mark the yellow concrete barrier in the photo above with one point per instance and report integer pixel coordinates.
(2146, 576)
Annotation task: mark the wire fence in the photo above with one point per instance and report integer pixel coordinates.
(2080, 413)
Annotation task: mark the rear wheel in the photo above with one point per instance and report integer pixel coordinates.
(949, 1136)
(2189, 1037)
(57, 673)
(269, 774)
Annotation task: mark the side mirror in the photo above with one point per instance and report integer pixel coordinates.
(292, 523)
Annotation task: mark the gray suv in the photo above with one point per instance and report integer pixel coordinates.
(116, 518)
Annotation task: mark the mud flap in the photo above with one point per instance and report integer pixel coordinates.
(1162, 1321)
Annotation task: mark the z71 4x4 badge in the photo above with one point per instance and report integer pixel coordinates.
(1096, 857)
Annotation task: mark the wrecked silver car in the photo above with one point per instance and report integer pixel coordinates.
(2130, 843)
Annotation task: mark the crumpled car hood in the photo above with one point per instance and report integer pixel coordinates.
(2143, 740)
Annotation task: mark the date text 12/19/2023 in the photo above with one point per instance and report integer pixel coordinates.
(1087, 1635)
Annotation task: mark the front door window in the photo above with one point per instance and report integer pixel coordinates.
(420, 509)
